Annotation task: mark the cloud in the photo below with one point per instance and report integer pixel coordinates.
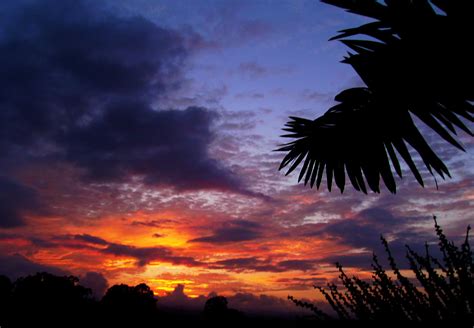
(142, 255)
(228, 26)
(252, 95)
(244, 264)
(233, 231)
(255, 264)
(317, 96)
(363, 231)
(145, 255)
(165, 147)
(152, 223)
(177, 300)
(17, 200)
(302, 265)
(268, 305)
(15, 266)
(296, 283)
(95, 281)
(90, 239)
(253, 69)
(81, 85)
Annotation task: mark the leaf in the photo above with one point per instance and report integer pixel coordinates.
(415, 63)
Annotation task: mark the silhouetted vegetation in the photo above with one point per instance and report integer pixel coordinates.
(415, 59)
(442, 289)
(123, 297)
(46, 300)
(216, 309)
(123, 303)
(43, 298)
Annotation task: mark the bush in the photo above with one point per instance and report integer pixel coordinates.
(443, 289)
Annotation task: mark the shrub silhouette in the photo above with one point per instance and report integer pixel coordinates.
(444, 288)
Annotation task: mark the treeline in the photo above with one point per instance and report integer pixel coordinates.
(45, 300)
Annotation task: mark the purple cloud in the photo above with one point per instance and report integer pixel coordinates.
(17, 200)
(15, 266)
(96, 282)
(255, 264)
(233, 231)
(82, 86)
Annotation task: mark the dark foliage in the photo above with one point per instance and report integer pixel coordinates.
(130, 299)
(414, 60)
(216, 309)
(43, 298)
(123, 304)
(46, 300)
(443, 288)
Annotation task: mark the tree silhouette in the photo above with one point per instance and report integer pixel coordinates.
(216, 304)
(442, 289)
(126, 304)
(123, 297)
(47, 299)
(6, 288)
(415, 59)
(215, 309)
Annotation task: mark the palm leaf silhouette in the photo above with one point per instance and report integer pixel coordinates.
(414, 60)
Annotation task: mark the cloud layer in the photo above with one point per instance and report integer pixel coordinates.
(82, 86)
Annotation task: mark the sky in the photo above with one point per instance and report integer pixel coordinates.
(137, 138)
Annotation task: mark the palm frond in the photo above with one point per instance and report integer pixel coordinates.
(414, 61)
(350, 138)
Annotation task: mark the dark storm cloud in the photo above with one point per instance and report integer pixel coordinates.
(145, 255)
(142, 255)
(81, 85)
(301, 265)
(233, 231)
(254, 264)
(358, 260)
(17, 200)
(365, 228)
(363, 232)
(165, 147)
(244, 264)
(62, 60)
(14, 266)
(90, 239)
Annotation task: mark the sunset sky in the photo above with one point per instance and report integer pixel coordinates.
(137, 138)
